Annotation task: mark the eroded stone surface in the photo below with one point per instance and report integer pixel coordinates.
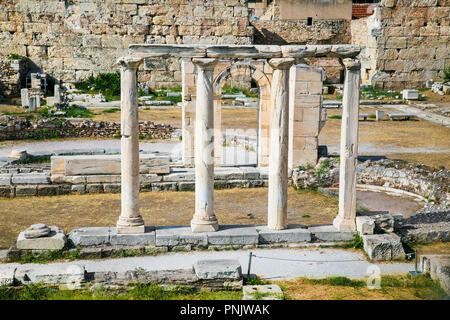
(218, 269)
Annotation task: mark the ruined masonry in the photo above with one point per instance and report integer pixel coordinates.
(279, 60)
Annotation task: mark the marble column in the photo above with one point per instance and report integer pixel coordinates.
(204, 219)
(345, 221)
(130, 221)
(278, 155)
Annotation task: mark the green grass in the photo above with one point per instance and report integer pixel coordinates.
(339, 281)
(107, 84)
(14, 56)
(234, 90)
(137, 291)
(255, 281)
(370, 92)
(73, 111)
(112, 110)
(336, 116)
(424, 287)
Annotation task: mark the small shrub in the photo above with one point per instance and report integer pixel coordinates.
(14, 56)
(336, 116)
(357, 242)
(446, 76)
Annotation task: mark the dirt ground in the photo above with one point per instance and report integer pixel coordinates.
(421, 137)
(233, 206)
(304, 289)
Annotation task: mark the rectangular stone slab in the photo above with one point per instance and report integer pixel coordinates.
(179, 235)
(140, 239)
(167, 50)
(218, 269)
(104, 164)
(52, 273)
(291, 234)
(93, 236)
(330, 233)
(234, 235)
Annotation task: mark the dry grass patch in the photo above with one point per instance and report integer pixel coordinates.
(388, 135)
(232, 206)
(399, 287)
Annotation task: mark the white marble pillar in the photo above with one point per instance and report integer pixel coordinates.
(204, 219)
(278, 155)
(130, 221)
(345, 221)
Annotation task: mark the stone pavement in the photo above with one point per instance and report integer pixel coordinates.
(273, 264)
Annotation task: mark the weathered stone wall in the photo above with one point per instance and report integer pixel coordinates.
(15, 128)
(12, 75)
(270, 29)
(71, 39)
(407, 43)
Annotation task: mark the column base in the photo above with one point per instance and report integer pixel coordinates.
(130, 225)
(130, 230)
(344, 224)
(204, 226)
(277, 227)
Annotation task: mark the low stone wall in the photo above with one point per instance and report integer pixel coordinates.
(430, 183)
(14, 183)
(19, 127)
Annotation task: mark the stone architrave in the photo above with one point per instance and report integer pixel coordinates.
(130, 221)
(278, 158)
(204, 219)
(345, 221)
(25, 98)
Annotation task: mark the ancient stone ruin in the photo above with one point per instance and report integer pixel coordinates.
(274, 125)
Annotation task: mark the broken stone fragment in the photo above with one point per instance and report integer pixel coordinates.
(37, 230)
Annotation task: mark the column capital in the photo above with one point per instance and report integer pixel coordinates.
(205, 63)
(351, 64)
(129, 62)
(281, 63)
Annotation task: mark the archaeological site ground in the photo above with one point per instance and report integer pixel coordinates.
(252, 150)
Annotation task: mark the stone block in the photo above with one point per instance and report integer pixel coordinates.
(180, 176)
(54, 241)
(365, 225)
(7, 276)
(330, 233)
(47, 190)
(92, 236)
(26, 191)
(30, 178)
(51, 274)
(105, 164)
(112, 187)
(139, 239)
(186, 186)
(5, 179)
(218, 269)
(250, 173)
(383, 246)
(179, 235)
(292, 234)
(234, 235)
(410, 94)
